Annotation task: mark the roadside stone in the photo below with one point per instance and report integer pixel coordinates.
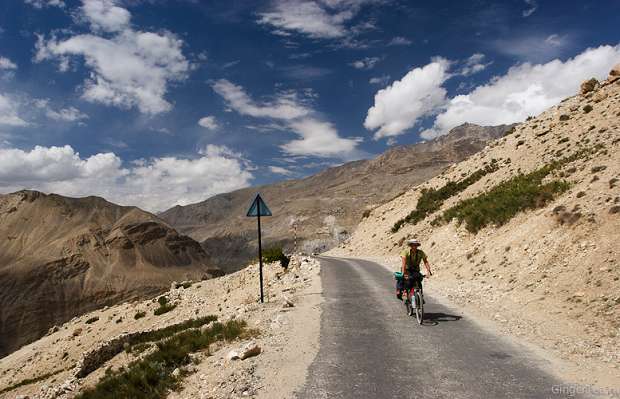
(250, 349)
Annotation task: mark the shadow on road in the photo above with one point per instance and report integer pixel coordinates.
(433, 319)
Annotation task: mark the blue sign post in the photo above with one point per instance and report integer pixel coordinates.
(258, 209)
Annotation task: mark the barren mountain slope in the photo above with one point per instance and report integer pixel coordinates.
(551, 273)
(327, 205)
(61, 257)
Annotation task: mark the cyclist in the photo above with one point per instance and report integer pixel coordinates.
(411, 258)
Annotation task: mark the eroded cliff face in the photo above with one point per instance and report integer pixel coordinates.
(61, 257)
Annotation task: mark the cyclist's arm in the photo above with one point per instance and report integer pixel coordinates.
(428, 267)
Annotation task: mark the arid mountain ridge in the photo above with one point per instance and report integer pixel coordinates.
(326, 206)
(61, 257)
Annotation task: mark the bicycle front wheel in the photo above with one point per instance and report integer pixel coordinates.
(419, 308)
(408, 305)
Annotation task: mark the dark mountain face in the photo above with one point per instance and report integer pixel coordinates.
(327, 206)
(61, 257)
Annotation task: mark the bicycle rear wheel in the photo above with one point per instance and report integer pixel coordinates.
(419, 308)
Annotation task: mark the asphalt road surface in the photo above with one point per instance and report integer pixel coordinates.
(370, 348)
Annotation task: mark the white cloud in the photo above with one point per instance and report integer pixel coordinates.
(155, 184)
(105, 15)
(6, 64)
(129, 69)
(379, 80)
(399, 41)
(474, 64)
(208, 122)
(323, 19)
(526, 89)
(365, 63)
(70, 114)
(45, 3)
(284, 107)
(399, 106)
(533, 48)
(8, 112)
(317, 137)
(533, 6)
(278, 170)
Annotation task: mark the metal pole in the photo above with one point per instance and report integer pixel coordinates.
(260, 253)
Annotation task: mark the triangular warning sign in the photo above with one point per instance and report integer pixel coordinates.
(257, 204)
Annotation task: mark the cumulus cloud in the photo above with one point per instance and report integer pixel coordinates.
(526, 89)
(365, 63)
(319, 19)
(399, 106)
(46, 3)
(474, 64)
(532, 7)
(105, 15)
(129, 68)
(154, 184)
(317, 137)
(208, 122)
(6, 64)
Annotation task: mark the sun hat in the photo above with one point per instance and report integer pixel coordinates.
(414, 241)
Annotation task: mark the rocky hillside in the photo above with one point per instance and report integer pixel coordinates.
(211, 339)
(61, 257)
(328, 205)
(526, 231)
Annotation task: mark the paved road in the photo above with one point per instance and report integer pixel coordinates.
(369, 347)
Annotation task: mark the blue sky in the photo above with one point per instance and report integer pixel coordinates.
(163, 102)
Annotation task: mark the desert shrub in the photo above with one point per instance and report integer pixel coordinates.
(139, 315)
(151, 377)
(504, 201)
(162, 300)
(92, 320)
(184, 284)
(366, 213)
(164, 309)
(275, 254)
(431, 200)
(30, 381)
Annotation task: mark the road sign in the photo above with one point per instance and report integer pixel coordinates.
(258, 209)
(259, 206)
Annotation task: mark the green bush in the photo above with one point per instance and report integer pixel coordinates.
(151, 377)
(163, 309)
(92, 320)
(431, 200)
(139, 315)
(162, 300)
(505, 200)
(185, 284)
(275, 254)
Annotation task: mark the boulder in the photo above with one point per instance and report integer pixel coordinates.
(588, 86)
(614, 74)
(233, 355)
(250, 349)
